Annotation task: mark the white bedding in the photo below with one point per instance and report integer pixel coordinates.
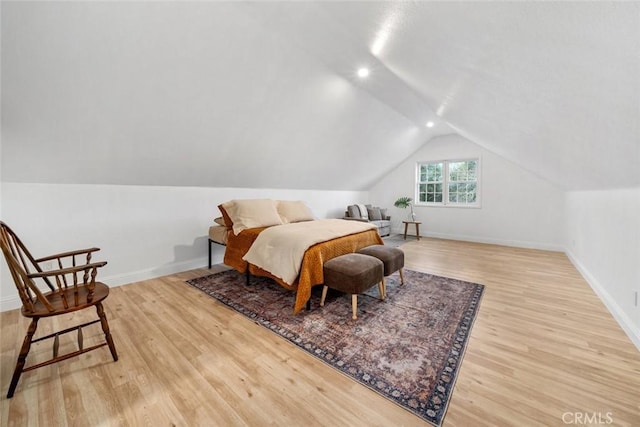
(280, 249)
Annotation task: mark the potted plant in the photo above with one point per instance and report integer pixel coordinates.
(403, 203)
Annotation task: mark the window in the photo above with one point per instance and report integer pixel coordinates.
(448, 182)
(430, 183)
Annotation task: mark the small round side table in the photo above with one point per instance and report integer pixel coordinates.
(406, 226)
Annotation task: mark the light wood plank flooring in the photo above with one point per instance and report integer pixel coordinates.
(543, 346)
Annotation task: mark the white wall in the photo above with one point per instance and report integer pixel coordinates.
(517, 207)
(603, 242)
(143, 232)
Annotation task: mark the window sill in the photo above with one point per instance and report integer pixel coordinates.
(442, 205)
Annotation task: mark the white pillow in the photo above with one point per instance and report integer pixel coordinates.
(294, 211)
(251, 213)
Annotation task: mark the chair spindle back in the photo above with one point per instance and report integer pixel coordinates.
(24, 268)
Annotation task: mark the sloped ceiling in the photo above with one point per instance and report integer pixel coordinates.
(265, 94)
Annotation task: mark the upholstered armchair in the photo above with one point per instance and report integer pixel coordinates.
(372, 214)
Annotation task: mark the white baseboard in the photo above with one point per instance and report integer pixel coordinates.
(491, 241)
(10, 303)
(150, 273)
(13, 302)
(632, 331)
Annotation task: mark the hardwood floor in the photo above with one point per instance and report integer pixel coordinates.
(544, 351)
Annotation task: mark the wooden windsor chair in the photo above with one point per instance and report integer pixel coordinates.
(75, 289)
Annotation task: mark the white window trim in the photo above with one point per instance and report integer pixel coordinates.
(445, 190)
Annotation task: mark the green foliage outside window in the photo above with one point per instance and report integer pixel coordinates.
(448, 182)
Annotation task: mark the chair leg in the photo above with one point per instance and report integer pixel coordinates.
(354, 306)
(401, 277)
(105, 329)
(324, 295)
(382, 289)
(22, 358)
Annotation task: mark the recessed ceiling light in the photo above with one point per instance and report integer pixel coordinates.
(430, 124)
(363, 72)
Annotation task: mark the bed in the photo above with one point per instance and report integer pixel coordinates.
(244, 238)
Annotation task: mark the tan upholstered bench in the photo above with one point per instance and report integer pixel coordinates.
(353, 274)
(392, 259)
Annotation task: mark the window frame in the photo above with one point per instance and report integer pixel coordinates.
(445, 183)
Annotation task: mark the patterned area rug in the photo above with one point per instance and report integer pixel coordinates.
(408, 348)
(395, 240)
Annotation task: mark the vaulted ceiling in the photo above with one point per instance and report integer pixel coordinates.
(264, 94)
